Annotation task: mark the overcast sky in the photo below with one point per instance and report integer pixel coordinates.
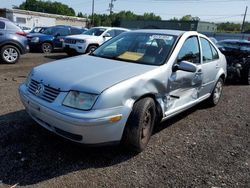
(207, 10)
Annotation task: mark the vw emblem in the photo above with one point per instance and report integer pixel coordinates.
(39, 89)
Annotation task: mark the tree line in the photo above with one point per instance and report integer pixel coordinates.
(115, 18)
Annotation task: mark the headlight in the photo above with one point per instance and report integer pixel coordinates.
(82, 101)
(35, 39)
(28, 79)
(81, 41)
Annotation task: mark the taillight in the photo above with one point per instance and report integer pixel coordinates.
(21, 33)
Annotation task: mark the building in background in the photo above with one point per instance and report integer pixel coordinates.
(32, 19)
(170, 24)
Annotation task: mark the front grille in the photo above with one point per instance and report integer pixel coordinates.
(48, 94)
(70, 41)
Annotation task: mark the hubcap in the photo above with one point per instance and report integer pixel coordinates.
(10, 55)
(147, 121)
(47, 48)
(217, 92)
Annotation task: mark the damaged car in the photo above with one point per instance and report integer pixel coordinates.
(119, 92)
(237, 53)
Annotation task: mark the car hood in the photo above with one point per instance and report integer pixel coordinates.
(82, 36)
(87, 73)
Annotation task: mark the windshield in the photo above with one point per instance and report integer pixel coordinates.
(144, 48)
(94, 31)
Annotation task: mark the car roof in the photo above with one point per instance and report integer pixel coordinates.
(4, 19)
(235, 40)
(110, 27)
(161, 31)
(62, 26)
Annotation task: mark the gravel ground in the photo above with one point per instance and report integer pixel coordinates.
(203, 147)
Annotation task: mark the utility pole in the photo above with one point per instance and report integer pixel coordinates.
(93, 7)
(244, 19)
(111, 6)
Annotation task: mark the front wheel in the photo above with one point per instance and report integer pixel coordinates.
(9, 54)
(91, 48)
(216, 94)
(140, 125)
(47, 48)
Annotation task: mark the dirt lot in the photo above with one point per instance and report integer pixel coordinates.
(203, 147)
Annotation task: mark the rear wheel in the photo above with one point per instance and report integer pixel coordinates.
(9, 54)
(47, 47)
(140, 124)
(216, 94)
(246, 76)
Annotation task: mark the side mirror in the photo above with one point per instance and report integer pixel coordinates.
(106, 35)
(185, 66)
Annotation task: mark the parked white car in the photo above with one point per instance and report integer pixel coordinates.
(90, 40)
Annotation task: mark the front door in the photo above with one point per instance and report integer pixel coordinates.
(60, 35)
(184, 87)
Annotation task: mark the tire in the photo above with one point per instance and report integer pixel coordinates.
(214, 99)
(10, 54)
(46, 47)
(246, 76)
(91, 48)
(140, 125)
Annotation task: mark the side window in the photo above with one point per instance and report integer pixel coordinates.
(11, 26)
(214, 52)
(63, 31)
(75, 31)
(2, 25)
(190, 51)
(206, 50)
(111, 32)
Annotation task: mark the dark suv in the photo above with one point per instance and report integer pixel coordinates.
(13, 42)
(237, 53)
(51, 38)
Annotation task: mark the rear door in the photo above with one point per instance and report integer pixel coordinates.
(210, 65)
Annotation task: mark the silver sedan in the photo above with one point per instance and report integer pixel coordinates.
(119, 92)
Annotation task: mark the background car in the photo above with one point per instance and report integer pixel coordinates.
(25, 29)
(90, 40)
(13, 42)
(38, 29)
(214, 40)
(51, 38)
(237, 53)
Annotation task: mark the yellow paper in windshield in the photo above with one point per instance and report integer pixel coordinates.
(134, 56)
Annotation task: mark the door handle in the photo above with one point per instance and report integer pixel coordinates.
(1, 33)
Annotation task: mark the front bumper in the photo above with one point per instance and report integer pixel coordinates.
(87, 127)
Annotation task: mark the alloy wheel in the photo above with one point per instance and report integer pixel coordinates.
(10, 55)
(217, 92)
